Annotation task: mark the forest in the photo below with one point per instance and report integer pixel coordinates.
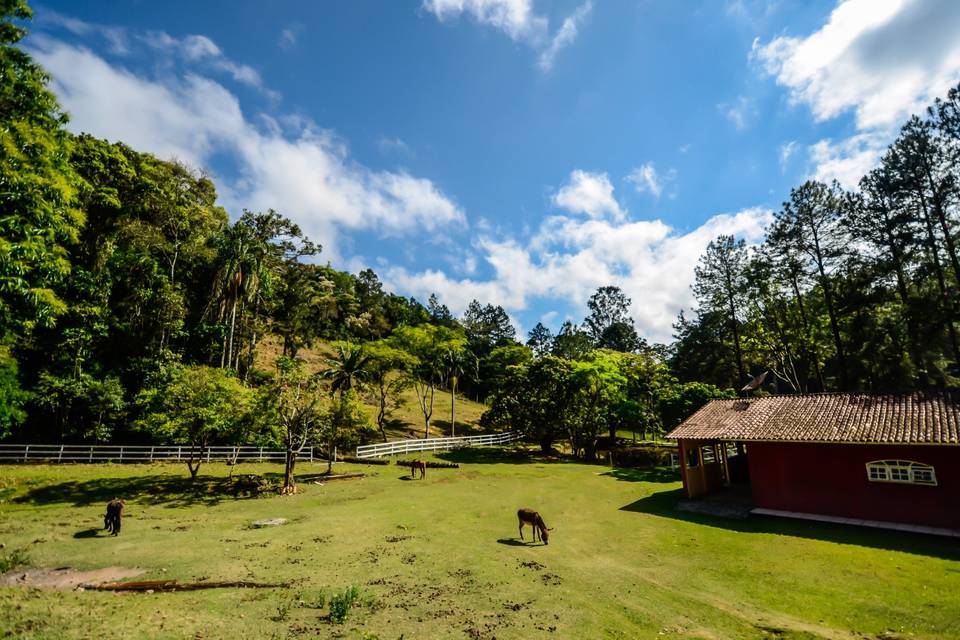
(133, 308)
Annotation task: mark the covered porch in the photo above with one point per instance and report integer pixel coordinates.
(714, 467)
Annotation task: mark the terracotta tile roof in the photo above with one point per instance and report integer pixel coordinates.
(921, 417)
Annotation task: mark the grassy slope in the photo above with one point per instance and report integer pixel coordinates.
(407, 420)
(621, 564)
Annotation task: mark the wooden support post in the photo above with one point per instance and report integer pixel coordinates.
(726, 463)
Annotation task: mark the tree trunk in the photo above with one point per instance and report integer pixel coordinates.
(736, 332)
(941, 281)
(195, 468)
(831, 310)
(814, 352)
(289, 484)
(453, 407)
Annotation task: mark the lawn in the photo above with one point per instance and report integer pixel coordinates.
(440, 558)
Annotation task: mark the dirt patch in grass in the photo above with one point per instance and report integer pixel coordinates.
(64, 578)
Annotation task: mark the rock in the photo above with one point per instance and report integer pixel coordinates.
(269, 522)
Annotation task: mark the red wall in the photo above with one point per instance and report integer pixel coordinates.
(831, 479)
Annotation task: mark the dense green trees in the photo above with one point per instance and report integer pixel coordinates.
(133, 309)
(851, 289)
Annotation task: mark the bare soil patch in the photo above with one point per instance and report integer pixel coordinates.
(64, 578)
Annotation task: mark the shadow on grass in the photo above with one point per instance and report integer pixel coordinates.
(87, 533)
(154, 490)
(645, 474)
(663, 504)
(498, 455)
(513, 542)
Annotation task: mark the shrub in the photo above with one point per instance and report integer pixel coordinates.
(12, 560)
(341, 603)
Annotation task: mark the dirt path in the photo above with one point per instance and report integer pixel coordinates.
(64, 578)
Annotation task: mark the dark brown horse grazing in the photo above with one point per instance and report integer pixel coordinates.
(111, 520)
(418, 464)
(532, 518)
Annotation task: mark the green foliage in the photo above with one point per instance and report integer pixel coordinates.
(12, 397)
(197, 406)
(341, 604)
(15, 558)
(38, 187)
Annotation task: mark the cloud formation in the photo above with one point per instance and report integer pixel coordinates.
(518, 20)
(880, 60)
(568, 258)
(646, 179)
(589, 193)
(290, 164)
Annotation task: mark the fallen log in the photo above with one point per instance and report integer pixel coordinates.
(176, 585)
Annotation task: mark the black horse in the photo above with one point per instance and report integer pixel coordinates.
(111, 520)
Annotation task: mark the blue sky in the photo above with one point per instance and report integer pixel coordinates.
(522, 152)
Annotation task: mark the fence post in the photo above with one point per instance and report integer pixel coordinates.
(180, 455)
(90, 459)
(261, 454)
(60, 455)
(151, 454)
(121, 453)
(26, 452)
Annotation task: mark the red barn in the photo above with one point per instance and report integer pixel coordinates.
(881, 460)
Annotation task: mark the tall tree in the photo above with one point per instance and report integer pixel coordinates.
(540, 339)
(609, 306)
(39, 187)
(719, 286)
(812, 221)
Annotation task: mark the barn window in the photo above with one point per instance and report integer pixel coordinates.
(693, 460)
(903, 471)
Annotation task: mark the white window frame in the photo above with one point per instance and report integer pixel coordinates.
(883, 470)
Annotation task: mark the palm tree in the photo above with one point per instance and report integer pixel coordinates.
(348, 370)
(457, 362)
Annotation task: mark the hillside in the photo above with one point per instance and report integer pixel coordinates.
(407, 420)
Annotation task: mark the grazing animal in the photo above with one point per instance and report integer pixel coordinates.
(111, 520)
(421, 465)
(532, 518)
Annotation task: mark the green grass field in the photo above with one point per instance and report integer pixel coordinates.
(439, 558)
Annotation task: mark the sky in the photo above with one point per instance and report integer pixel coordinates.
(520, 152)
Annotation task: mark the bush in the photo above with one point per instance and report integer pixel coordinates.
(12, 560)
(341, 603)
(643, 456)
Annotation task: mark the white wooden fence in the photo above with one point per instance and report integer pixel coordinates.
(432, 444)
(117, 453)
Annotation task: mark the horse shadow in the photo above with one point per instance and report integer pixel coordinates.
(88, 533)
(513, 542)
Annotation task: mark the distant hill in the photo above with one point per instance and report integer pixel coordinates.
(407, 420)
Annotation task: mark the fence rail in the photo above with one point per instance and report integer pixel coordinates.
(432, 444)
(143, 453)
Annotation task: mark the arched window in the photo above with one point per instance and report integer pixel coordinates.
(903, 471)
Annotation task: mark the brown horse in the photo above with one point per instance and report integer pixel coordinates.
(111, 519)
(532, 518)
(418, 464)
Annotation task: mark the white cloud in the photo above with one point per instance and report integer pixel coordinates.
(645, 178)
(565, 36)
(786, 152)
(568, 258)
(518, 20)
(740, 112)
(880, 60)
(848, 160)
(589, 193)
(303, 172)
(201, 49)
(394, 146)
(289, 36)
